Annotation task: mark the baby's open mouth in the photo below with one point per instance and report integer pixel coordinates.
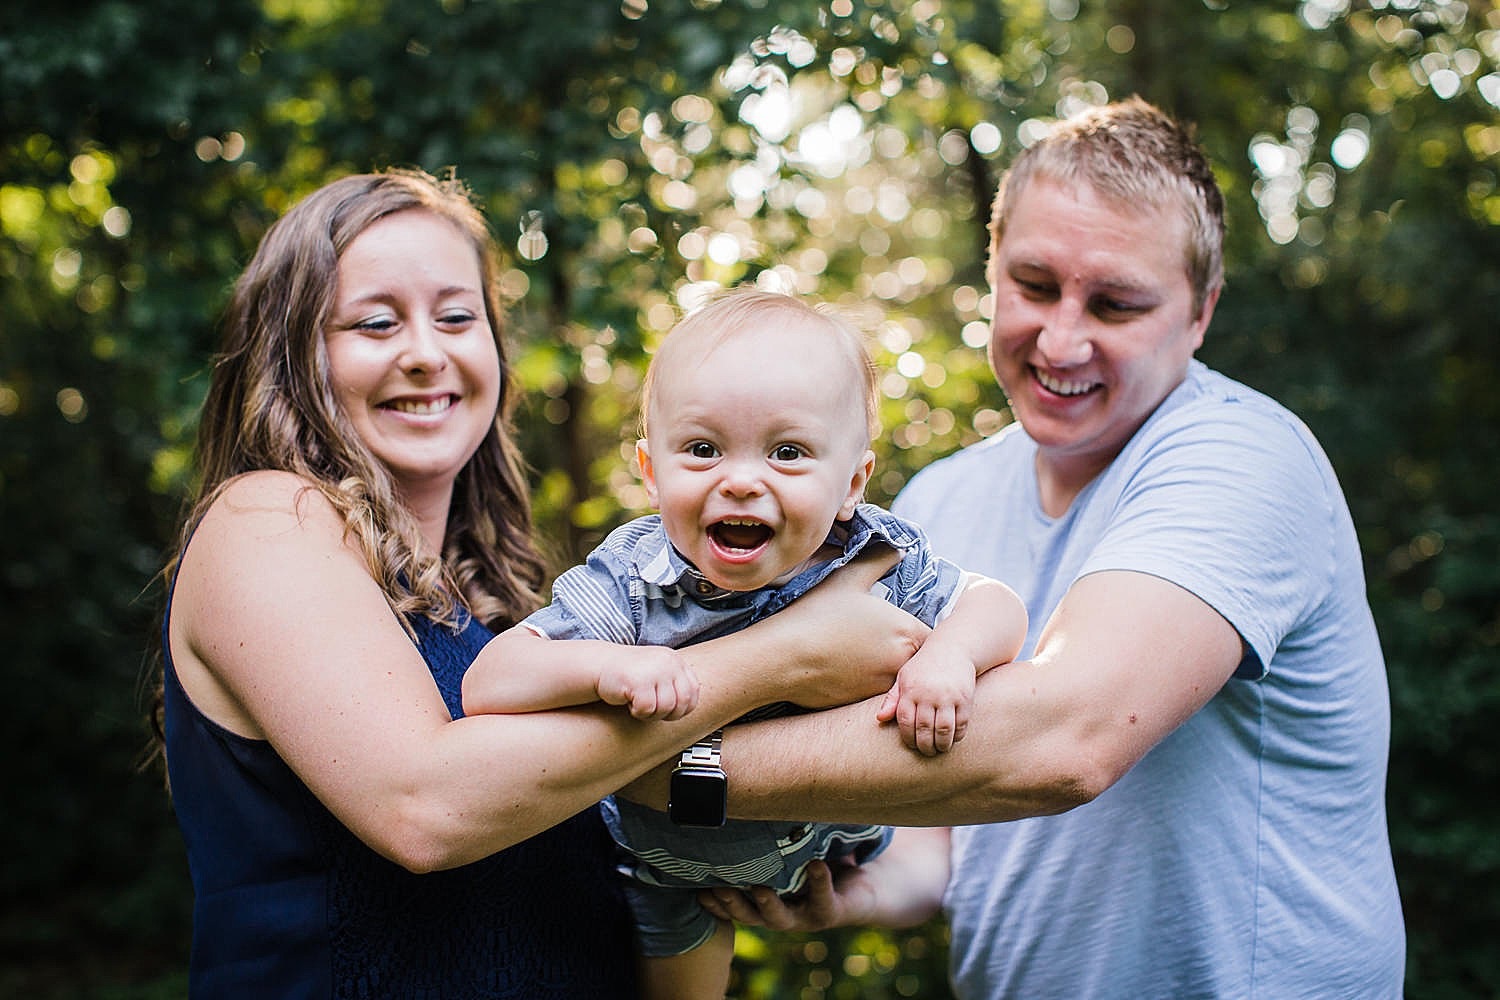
(738, 534)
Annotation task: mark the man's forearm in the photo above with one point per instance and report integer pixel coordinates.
(840, 765)
(1122, 662)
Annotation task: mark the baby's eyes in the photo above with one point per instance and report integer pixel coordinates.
(705, 450)
(787, 453)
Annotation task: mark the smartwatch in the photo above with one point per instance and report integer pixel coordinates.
(699, 794)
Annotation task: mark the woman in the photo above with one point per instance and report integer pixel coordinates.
(360, 531)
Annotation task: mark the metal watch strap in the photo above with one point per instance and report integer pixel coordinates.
(704, 753)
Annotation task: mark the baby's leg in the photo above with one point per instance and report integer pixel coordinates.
(699, 974)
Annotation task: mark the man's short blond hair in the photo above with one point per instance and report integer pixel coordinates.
(1134, 153)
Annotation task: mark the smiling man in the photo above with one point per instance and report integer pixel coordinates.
(1179, 790)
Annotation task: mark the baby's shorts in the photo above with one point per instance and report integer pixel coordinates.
(666, 865)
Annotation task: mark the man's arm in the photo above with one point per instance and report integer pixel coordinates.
(1125, 659)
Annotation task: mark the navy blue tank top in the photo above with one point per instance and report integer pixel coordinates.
(288, 903)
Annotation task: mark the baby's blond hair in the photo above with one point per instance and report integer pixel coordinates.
(735, 312)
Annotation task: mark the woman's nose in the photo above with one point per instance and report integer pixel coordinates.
(422, 350)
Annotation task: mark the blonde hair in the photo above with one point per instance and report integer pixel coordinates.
(271, 405)
(1134, 153)
(736, 311)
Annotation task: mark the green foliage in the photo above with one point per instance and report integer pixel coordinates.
(844, 964)
(628, 154)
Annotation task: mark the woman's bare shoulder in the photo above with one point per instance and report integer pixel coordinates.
(267, 576)
(266, 529)
(271, 494)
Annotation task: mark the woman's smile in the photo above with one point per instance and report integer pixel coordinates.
(411, 352)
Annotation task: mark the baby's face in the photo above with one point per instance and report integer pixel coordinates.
(758, 443)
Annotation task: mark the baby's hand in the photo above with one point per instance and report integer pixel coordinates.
(930, 700)
(653, 681)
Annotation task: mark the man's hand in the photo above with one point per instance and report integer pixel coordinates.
(900, 888)
(830, 898)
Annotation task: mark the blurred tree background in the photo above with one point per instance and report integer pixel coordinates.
(631, 154)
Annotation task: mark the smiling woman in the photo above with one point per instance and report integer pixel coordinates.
(302, 725)
(362, 529)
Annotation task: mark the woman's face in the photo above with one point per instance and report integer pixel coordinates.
(411, 355)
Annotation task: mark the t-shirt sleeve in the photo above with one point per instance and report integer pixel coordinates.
(591, 601)
(1234, 506)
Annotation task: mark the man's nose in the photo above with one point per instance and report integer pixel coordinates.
(1065, 339)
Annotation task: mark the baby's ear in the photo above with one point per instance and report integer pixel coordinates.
(648, 475)
(857, 483)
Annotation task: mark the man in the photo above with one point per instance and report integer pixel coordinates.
(1180, 787)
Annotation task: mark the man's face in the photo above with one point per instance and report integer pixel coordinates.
(1093, 323)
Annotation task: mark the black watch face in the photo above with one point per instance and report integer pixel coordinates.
(698, 797)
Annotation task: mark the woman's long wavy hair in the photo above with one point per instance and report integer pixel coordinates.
(271, 405)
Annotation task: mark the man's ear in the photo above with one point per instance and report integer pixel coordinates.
(648, 474)
(857, 482)
(1205, 316)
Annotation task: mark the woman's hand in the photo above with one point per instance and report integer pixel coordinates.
(839, 643)
(834, 645)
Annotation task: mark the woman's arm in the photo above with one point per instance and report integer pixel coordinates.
(279, 632)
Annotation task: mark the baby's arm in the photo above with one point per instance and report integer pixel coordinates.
(930, 699)
(522, 671)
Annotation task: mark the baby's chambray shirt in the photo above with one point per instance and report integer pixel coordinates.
(636, 589)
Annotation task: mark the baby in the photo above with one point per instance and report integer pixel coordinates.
(758, 412)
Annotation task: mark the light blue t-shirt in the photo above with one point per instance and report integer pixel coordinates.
(1247, 855)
